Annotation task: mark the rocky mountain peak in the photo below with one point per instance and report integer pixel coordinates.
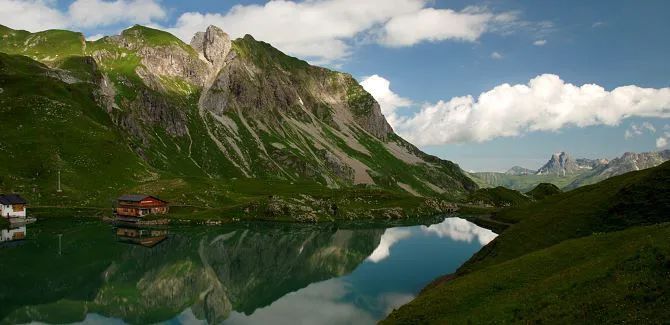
(559, 164)
(213, 44)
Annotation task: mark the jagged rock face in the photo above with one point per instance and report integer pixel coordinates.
(213, 44)
(631, 161)
(173, 61)
(518, 170)
(591, 163)
(559, 164)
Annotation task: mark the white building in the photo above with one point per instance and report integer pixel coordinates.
(12, 206)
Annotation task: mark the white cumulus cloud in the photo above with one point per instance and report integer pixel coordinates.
(545, 103)
(322, 31)
(91, 13)
(496, 56)
(662, 142)
(430, 24)
(636, 130)
(326, 30)
(380, 89)
(37, 15)
(32, 15)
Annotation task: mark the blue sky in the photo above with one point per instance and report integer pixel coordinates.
(429, 52)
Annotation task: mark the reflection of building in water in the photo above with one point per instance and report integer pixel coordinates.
(13, 234)
(148, 237)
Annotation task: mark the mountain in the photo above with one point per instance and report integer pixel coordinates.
(518, 170)
(544, 190)
(591, 255)
(628, 162)
(568, 173)
(560, 164)
(591, 163)
(144, 111)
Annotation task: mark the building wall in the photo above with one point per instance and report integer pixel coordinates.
(8, 211)
(139, 212)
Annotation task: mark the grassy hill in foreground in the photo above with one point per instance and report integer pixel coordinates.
(600, 253)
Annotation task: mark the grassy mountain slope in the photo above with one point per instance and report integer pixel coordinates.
(596, 253)
(196, 124)
(58, 126)
(498, 196)
(543, 190)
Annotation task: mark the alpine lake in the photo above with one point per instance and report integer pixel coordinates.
(82, 270)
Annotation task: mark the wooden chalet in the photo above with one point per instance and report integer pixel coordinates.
(134, 206)
(12, 206)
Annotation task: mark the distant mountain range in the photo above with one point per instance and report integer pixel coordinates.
(630, 161)
(567, 172)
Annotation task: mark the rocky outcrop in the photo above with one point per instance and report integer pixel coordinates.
(173, 61)
(591, 163)
(213, 45)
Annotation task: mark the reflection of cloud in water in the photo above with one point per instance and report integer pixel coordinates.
(390, 237)
(460, 230)
(96, 319)
(393, 300)
(318, 303)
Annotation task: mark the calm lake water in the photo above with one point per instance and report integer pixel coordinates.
(233, 274)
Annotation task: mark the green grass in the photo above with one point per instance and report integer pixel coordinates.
(58, 126)
(49, 45)
(266, 56)
(543, 190)
(498, 197)
(597, 254)
(154, 37)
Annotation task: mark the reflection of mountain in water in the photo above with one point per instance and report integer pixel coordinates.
(212, 271)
